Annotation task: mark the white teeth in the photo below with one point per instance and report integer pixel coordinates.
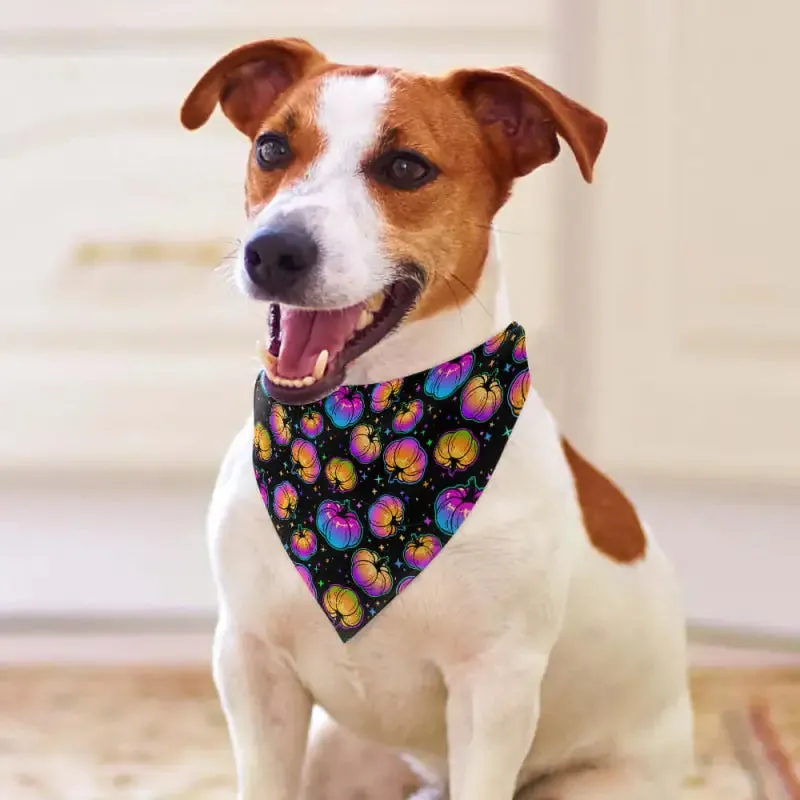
(268, 361)
(319, 367)
(364, 319)
(308, 380)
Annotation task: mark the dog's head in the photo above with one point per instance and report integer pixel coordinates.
(370, 191)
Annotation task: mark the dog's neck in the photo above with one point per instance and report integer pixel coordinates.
(418, 346)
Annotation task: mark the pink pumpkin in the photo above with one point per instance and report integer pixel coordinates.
(386, 516)
(384, 394)
(305, 574)
(518, 391)
(408, 416)
(454, 504)
(481, 397)
(371, 572)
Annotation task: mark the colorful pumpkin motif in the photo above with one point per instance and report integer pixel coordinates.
(384, 394)
(365, 443)
(344, 407)
(263, 443)
(444, 380)
(386, 516)
(304, 543)
(342, 606)
(518, 391)
(305, 574)
(341, 474)
(279, 424)
(404, 584)
(407, 416)
(494, 344)
(520, 353)
(481, 397)
(371, 572)
(405, 460)
(338, 524)
(456, 451)
(421, 550)
(284, 500)
(311, 423)
(454, 504)
(305, 461)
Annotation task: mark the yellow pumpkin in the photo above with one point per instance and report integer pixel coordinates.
(341, 474)
(263, 443)
(456, 450)
(365, 443)
(342, 606)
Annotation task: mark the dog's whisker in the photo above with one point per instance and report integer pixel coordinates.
(470, 291)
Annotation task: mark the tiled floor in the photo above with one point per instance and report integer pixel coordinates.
(108, 734)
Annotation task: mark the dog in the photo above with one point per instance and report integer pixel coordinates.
(547, 660)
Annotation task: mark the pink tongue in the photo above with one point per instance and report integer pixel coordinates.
(305, 334)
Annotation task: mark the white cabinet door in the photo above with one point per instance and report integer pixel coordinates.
(695, 264)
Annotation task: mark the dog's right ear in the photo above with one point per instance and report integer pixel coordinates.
(248, 81)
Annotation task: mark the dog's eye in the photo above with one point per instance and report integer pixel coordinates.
(273, 151)
(404, 170)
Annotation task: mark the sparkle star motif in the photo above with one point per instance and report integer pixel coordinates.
(507, 432)
(398, 563)
(428, 520)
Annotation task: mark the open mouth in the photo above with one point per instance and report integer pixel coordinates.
(309, 349)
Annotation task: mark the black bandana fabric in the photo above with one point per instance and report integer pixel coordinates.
(367, 486)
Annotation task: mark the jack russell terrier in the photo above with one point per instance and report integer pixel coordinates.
(540, 653)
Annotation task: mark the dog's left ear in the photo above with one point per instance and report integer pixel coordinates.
(522, 118)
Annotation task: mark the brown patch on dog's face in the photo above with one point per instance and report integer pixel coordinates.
(444, 225)
(610, 519)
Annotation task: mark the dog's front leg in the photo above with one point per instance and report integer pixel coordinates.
(492, 713)
(268, 714)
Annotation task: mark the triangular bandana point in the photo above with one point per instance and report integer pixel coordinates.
(367, 486)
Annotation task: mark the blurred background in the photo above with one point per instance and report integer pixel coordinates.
(665, 297)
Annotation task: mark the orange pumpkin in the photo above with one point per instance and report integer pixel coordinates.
(456, 450)
(341, 474)
(342, 606)
(263, 443)
(371, 572)
(405, 460)
(365, 443)
(481, 397)
(305, 462)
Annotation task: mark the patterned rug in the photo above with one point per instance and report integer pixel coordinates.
(121, 734)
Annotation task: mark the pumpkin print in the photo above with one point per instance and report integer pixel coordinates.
(344, 407)
(305, 462)
(421, 550)
(407, 416)
(520, 353)
(481, 397)
(305, 574)
(284, 500)
(341, 474)
(444, 380)
(518, 391)
(454, 504)
(311, 423)
(494, 344)
(404, 584)
(371, 572)
(365, 443)
(263, 443)
(366, 486)
(304, 543)
(384, 394)
(405, 460)
(338, 524)
(280, 424)
(456, 451)
(386, 515)
(342, 606)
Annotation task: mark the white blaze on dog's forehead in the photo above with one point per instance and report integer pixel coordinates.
(333, 199)
(349, 113)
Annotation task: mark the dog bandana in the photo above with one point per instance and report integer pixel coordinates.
(367, 486)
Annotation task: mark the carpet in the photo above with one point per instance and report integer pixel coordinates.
(122, 734)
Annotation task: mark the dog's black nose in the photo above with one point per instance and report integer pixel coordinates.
(277, 258)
